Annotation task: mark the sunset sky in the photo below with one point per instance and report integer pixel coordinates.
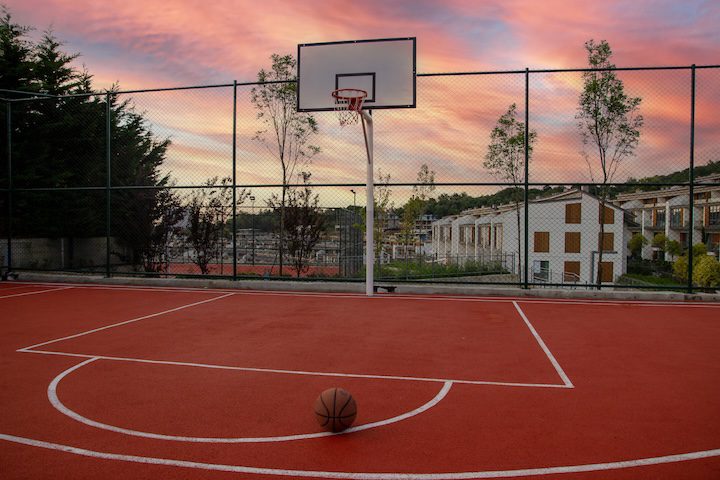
(151, 43)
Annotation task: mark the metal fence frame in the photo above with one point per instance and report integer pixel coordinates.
(527, 73)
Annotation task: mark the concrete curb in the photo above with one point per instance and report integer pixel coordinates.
(358, 287)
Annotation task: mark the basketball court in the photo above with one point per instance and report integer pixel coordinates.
(181, 383)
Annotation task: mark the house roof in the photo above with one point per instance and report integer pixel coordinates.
(674, 190)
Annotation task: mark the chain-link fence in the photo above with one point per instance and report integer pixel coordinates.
(494, 178)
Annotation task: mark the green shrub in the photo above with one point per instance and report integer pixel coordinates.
(659, 241)
(636, 244)
(680, 268)
(673, 248)
(706, 272)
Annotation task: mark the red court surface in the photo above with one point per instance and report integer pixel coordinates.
(131, 382)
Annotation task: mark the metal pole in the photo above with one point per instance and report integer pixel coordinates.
(527, 175)
(234, 177)
(691, 193)
(8, 114)
(370, 207)
(108, 184)
(252, 228)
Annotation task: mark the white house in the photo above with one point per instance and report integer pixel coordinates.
(564, 236)
(667, 211)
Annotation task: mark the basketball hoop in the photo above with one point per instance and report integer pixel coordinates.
(348, 104)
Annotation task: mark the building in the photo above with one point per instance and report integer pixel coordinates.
(667, 211)
(564, 236)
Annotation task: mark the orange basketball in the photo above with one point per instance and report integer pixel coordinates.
(335, 409)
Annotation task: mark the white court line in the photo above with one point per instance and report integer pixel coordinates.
(498, 299)
(5, 289)
(593, 467)
(297, 372)
(125, 322)
(35, 293)
(55, 401)
(547, 351)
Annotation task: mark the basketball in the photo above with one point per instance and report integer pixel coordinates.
(335, 409)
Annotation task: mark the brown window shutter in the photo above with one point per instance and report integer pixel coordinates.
(608, 242)
(570, 271)
(572, 242)
(572, 213)
(542, 242)
(609, 217)
(606, 272)
(707, 216)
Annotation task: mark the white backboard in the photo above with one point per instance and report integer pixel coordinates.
(385, 68)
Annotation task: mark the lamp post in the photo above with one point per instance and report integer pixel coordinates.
(252, 227)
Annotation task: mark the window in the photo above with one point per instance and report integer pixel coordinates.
(608, 242)
(572, 213)
(677, 217)
(542, 242)
(609, 217)
(498, 237)
(571, 272)
(702, 196)
(659, 218)
(462, 234)
(650, 201)
(606, 272)
(541, 270)
(572, 242)
(714, 215)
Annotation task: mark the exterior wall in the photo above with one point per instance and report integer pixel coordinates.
(545, 216)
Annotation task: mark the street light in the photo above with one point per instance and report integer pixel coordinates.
(252, 227)
(354, 197)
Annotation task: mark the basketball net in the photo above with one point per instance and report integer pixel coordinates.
(348, 104)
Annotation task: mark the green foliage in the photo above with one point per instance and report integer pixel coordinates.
(673, 248)
(699, 249)
(505, 157)
(207, 210)
(455, 203)
(420, 269)
(636, 244)
(706, 272)
(659, 241)
(304, 223)
(285, 132)
(416, 205)
(62, 142)
(680, 268)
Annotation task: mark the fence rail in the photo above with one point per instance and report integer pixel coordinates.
(105, 182)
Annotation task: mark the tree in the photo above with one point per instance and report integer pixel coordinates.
(286, 133)
(417, 203)
(636, 243)
(505, 159)
(609, 123)
(382, 207)
(673, 248)
(706, 272)
(207, 209)
(304, 223)
(60, 143)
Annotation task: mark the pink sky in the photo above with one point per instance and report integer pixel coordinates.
(150, 43)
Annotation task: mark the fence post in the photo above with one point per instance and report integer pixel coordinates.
(8, 114)
(691, 192)
(527, 175)
(234, 177)
(108, 184)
